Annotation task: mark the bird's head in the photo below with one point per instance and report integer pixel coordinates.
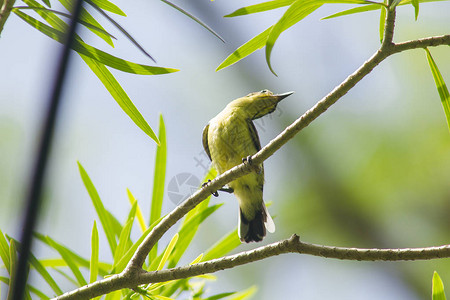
(258, 104)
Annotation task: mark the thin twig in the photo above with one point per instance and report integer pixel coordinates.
(421, 43)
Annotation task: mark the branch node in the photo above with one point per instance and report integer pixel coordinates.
(294, 239)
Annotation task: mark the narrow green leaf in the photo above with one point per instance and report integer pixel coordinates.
(371, 7)
(382, 22)
(189, 229)
(48, 16)
(109, 6)
(260, 7)
(353, 11)
(27, 293)
(44, 273)
(168, 251)
(220, 296)
(123, 262)
(296, 12)
(120, 96)
(37, 292)
(93, 266)
(68, 277)
(159, 174)
(270, 5)
(31, 288)
(12, 266)
(415, 4)
(152, 288)
(105, 77)
(246, 49)
(120, 28)
(162, 297)
(72, 264)
(139, 215)
(47, 2)
(174, 286)
(99, 208)
(438, 288)
(4, 251)
(39, 267)
(197, 20)
(86, 17)
(124, 240)
(90, 26)
(440, 85)
(153, 264)
(246, 294)
(116, 227)
(80, 261)
(103, 268)
(116, 295)
(94, 53)
(227, 244)
(197, 259)
(365, 2)
(159, 177)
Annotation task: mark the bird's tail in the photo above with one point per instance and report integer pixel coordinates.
(255, 230)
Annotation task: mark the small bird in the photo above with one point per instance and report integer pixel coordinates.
(231, 137)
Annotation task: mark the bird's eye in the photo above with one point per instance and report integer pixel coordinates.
(264, 91)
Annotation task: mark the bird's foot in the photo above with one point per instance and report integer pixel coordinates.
(216, 193)
(248, 160)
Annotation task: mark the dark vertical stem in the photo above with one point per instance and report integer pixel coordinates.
(33, 200)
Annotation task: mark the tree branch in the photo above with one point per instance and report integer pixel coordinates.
(294, 245)
(138, 259)
(134, 275)
(389, 25)
(421, 43)
(291, 245)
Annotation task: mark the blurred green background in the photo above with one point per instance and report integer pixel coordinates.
(373, 171)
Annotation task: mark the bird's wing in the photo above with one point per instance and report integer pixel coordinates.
(255, 139)
(205, 141)
(254, 135)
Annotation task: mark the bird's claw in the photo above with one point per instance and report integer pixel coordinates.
(216, 193)
(248, 160)
(206, 183)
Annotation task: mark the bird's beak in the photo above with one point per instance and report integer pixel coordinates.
(282, 96)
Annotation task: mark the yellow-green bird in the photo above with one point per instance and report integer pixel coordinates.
(228, 138)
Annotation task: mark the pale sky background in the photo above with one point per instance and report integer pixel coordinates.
(310, 58)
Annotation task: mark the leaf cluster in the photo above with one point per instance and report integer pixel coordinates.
(73, 266)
